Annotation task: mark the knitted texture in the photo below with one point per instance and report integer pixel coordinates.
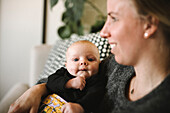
(116, 97)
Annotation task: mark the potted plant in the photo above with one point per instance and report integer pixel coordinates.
(72, 18)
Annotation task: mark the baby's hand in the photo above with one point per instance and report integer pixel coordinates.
(76, 83)
(79, 82)
(84, 74)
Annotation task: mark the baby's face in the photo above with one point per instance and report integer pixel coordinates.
(83, 58)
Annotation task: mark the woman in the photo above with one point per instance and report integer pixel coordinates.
(139, 34)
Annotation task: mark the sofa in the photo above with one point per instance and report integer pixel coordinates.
(46, 59)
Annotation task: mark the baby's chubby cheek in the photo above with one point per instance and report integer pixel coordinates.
(73, 72)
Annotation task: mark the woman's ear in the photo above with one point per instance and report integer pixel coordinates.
(150, 26)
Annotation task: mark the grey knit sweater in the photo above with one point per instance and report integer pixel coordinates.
(116, 101)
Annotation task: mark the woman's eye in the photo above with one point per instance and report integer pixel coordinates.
(114, 18)
(76, 59)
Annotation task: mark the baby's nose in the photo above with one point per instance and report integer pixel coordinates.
(83, 63)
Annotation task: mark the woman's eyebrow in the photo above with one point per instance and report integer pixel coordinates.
(112, 13)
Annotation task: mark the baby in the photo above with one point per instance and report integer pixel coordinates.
(79, 82)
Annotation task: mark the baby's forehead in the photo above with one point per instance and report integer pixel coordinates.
(85, 46)
(81, 44)
(82, 49)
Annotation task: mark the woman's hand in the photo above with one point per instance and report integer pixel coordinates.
(72, 108)
(29, 101)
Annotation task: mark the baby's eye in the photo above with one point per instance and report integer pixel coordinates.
(91, 59)
(75, 59)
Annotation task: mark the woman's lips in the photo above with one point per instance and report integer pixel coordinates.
(113, 45)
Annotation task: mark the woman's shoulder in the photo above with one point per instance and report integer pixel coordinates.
(164, 88)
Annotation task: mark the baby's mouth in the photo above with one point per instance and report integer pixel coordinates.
(83, 69)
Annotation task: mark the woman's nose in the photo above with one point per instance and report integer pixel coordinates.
(105, 32)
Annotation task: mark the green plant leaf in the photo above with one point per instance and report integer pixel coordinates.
(64, 32)
(80, 30)
(75, 7)
(53, 3)
(68, 16)
(97, 26)
(78, 9)
(76, 27)
(72, 18)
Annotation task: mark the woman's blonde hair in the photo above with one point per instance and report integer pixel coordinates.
(158, 8)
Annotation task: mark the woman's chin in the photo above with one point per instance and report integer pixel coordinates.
(122, 61)
(119, 60)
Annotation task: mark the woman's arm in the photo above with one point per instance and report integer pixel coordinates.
(30, 100)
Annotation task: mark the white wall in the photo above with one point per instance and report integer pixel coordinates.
(20, 30)
(54, 16)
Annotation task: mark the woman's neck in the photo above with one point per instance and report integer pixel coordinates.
(145, 81)
(150, 72)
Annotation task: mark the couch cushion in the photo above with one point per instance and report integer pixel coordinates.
(57, 59)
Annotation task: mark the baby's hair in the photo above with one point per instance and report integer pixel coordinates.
(82, 42)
